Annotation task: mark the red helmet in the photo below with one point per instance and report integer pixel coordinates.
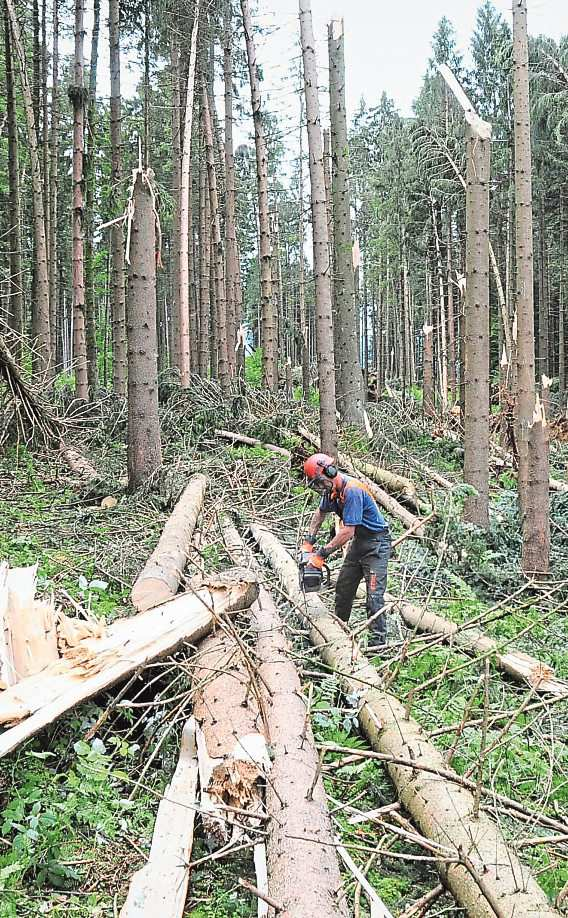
(319, 464)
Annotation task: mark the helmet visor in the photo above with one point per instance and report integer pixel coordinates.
(318, 484)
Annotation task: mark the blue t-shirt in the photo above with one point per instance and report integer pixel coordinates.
(354, 507)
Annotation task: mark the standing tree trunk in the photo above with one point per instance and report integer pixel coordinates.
(15, 297)
(476, 419)
(204, 272)
(562, 308)
(350, 396)
(117, 247)
(324, 323)
(184, 215)
(176, 159)
(78, 98)
(543, 304)
(90, 185)
(302, 315)
(144, 447)
(534, 510)
(235, 357)
(218, 254)
(451, 322)
(53, 190)
(40, 311)
(269, 329)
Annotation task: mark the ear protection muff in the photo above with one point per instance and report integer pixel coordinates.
(330, 471)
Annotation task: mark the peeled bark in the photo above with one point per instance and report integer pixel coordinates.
(92, 664)
(161, 576)
(79, 317)
(144, 446)
(303, 873)
(323, 307)
(269, 325)
(441, 808)
(476, 418)
(350, 395)
(118, 304)
(252, 441)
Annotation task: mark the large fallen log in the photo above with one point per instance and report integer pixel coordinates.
(95, 663)
(483, 871)
(388, 503)
(302, 862)
(161, 576)
(517, 664)
(160, 887)
(252, 441)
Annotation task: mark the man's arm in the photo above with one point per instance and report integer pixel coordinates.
(316, 521)
(344, 534)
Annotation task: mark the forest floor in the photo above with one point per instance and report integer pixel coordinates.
(77, 815)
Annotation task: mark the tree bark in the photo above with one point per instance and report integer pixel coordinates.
(235, 354)
(526, 391)
(184, 215)
(441, 806)
(176, 167)
(476, 419)
(543, 368)
(204, 271)
(324, 321)
(144, 446)
(79, 318)
(536, 536)
(40, 312)
(162, 574)
(118, 306)
(302, 314)
(349, 379)
(269, 340)
(53, 193)
(90, 184)
(15, 292)
(218, 254)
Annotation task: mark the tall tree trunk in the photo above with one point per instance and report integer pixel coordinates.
(451, 320)
(90, 185)
(218, 253)
(324, 322)
(78, 96)
(269, 339)
(562, 307)
(184, 218)
(53, 190)
(40, 311)
(349, 379)
(302, 315)
(204, 271)
(119, 363)
(443, 352)
(533, 513)
(176, 162)
(235, 357)
(146, 43)
(543, 307)
(144, 446)
(15, 296)
(45, 136)
(476, 419)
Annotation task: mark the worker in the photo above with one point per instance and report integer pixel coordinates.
(366, 529)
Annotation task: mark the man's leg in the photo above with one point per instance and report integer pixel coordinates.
(375, 569)
(349, 578)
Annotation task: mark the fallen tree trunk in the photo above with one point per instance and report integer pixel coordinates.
(161, 576)
(160, 887)
(95, 663)
(484, 871)
(251, 441)
(302, 861)
(79, 465)
(384, 500)
(517, 664)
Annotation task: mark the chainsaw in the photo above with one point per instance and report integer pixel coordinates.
(310, 577)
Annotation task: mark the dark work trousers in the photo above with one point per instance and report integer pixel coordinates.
(367, 557)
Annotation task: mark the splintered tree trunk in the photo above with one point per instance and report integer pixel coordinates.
(79, 325)
(350, 396)
(16, 300)
(218, 254)
(526, 391)
(118, 309)
(324, 322)
(176, 160)
(144, 446)
(90, 184)
(40, 312)
(476, 419)
(536, 538)
(269, 325)
(235, 355)
(53, 190)
(184, 215)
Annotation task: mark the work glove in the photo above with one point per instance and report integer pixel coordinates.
(309, 542)
(316, 560)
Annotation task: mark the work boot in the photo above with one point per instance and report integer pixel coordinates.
(377, 642)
